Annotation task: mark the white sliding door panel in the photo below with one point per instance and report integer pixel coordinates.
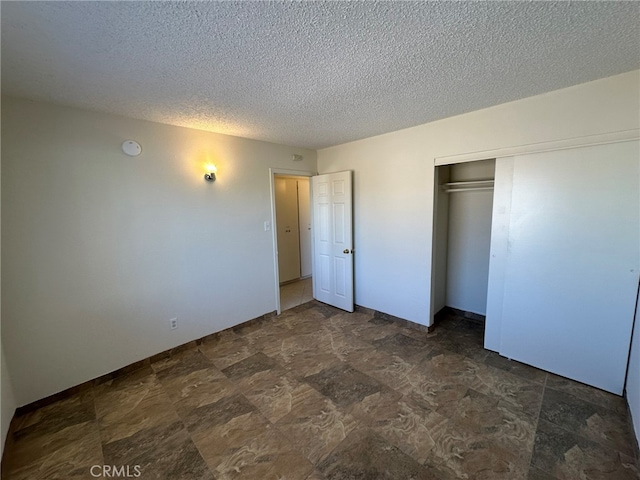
(333, 239)
(498, 251)
(572, 262)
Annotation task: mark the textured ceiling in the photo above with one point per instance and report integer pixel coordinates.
(310, 74)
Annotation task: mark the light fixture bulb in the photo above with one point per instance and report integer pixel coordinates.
(210, 176)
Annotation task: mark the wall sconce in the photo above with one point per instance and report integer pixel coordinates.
(210, 176)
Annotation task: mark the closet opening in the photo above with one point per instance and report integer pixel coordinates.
(293, 236)
(463, 204)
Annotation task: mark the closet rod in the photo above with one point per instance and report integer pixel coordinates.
(469, 182)
(471, 189)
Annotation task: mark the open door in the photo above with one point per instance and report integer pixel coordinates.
(333, 239)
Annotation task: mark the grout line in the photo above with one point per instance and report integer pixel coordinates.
(95, 411)
(535, 432)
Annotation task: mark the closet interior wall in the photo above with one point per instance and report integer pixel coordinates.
(463, 236)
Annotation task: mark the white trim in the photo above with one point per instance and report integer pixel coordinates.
(274, 231)
(589, 140)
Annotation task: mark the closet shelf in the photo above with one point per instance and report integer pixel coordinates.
(468, 186)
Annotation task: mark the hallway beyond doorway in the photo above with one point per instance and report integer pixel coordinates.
(296, 293)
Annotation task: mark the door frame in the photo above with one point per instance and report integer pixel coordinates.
(274, 227)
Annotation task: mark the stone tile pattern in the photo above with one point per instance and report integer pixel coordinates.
(317, 393)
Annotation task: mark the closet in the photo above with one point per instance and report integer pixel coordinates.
(293, 221)
(546, 244)
(464, 198)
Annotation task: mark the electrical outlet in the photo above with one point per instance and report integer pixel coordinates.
(173, 323)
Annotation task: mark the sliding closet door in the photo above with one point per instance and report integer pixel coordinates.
(572, 262)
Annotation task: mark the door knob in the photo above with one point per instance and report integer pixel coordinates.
(346, 250)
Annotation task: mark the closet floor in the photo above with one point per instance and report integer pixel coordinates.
(317, 393)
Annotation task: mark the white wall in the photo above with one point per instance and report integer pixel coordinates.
(100, 250)
(469, 238)
(394, 178)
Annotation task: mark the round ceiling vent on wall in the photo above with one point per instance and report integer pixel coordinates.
(131, 148)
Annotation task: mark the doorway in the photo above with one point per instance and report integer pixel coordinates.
(293, 232)
(463, 219)
(290, 197)
(331, 208)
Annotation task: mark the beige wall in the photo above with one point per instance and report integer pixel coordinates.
(394, 178)
(7, 397)
(100, 250)
(8, 401)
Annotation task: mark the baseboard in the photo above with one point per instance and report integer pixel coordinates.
(30, 407)
(476, 317)
(392, 318)
(295, 280)
(383, 317)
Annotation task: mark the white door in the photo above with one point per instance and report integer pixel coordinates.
(333, 239)
(572, 262)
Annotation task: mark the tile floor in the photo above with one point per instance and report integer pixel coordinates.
(296, 293)
(317, 393)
